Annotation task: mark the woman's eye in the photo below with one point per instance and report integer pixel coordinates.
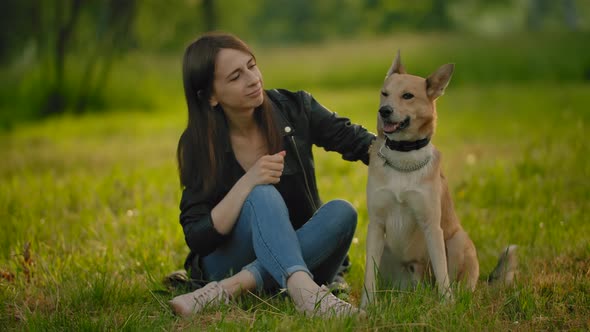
(252, 65)
(384, 94)
(234, 78)
(407, 96)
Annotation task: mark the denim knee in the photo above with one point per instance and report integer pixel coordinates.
(265, 196)
(344, 215)
(263, 190)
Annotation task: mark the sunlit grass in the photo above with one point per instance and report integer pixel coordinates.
(89, 211)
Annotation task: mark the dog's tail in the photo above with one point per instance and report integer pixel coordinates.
(506, 268)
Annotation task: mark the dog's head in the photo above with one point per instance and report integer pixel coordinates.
(407, 111)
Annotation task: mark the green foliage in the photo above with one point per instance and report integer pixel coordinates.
(13, 39)
(89, 204)
(63, 56)
(282, 22)
(521, 58)
(51, 33)
(24, 90)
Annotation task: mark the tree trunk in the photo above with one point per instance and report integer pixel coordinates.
(535, 14)
(56, 99)
(570, 17)
(112, 42)
(209, 18)
(438, 17)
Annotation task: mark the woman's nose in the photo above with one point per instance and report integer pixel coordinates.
(253, 77)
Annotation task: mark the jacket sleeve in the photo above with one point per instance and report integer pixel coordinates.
(336, 133)
(195, 217)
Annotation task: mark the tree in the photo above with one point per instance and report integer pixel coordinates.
(438, 16)
(64, 27)
(113, 30)
(63, 30)
(209, 17)
(540, 10)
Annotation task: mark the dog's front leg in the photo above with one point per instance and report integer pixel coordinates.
(427, 211)
(375, 245)
(433, 234)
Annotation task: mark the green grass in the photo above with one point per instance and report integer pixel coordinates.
(508, 59)
(89, 205)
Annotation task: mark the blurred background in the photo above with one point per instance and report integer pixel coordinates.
(77, 56)
(92, 106)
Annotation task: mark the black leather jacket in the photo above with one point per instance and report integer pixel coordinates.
(303, 122)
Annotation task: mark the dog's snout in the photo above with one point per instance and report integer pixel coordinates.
(385, 111)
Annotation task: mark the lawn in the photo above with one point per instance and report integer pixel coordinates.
(89, 204)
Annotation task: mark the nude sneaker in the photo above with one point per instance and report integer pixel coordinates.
(210, 295)
(325, 304)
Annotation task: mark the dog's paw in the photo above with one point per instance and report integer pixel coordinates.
(448, 298)
(364, 301)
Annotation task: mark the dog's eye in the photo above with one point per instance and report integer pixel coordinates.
(407, 95)
(384, 94)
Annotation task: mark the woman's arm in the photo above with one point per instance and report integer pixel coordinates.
(336, 133)
(197, 225)
(267, 170)
(225, 214)
(205, 228)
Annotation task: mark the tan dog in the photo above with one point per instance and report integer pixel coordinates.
(413, 231)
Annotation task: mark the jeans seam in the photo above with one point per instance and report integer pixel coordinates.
(271, 254)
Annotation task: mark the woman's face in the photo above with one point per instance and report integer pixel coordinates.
(237, 85)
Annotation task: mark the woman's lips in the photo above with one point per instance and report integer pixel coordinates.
(254, 93)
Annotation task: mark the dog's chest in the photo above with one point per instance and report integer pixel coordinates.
(390, 201)
(393, 198)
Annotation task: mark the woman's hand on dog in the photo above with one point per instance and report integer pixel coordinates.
(267, 170)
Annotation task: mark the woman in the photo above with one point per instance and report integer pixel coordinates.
(250, 209)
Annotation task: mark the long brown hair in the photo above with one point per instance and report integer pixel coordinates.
(201, 151)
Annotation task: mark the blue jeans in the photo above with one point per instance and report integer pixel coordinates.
(264, 242)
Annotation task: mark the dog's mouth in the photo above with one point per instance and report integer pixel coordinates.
(390, 127)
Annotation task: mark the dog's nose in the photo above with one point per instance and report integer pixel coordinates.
(385, 111)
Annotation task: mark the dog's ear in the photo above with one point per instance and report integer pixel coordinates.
(396, 66)
(437, 82)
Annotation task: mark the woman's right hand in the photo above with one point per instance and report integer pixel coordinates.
(267, 170)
